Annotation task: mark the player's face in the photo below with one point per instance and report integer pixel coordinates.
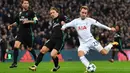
(25, 5)
(117, 28)
(83, 13)
(53, 14)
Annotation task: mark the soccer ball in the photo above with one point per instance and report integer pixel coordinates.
(91, 68)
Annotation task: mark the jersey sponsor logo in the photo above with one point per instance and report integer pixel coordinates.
(23, 18)
(82, 27)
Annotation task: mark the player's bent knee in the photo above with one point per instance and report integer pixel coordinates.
(44, 50)
(17, 44)
(103, 52)
(54, 53)
(81, 53)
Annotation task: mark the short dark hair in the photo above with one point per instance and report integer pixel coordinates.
(83, 7)
(24, 0)
(54, 8)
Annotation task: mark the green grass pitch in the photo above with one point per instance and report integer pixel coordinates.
(68, 67)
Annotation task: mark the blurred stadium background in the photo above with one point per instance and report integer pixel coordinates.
(108, 12)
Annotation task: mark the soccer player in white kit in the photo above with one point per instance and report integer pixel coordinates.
(86, 39)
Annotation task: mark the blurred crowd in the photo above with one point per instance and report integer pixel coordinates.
(108, 12)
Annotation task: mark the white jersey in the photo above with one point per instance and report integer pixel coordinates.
(83, 28)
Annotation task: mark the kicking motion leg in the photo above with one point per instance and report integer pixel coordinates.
(39, 58)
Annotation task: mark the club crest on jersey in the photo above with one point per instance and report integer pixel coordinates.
(82, 27)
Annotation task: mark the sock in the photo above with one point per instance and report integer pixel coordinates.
(84, 61)
(55, 60)
(108, 47)
(113, 54)
(33, 53)
(39, 59)
(15, 53)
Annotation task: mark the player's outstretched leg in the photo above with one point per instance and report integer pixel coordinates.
(39, 59)
(110, 45)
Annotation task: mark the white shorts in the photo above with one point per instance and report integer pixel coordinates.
(91, 44)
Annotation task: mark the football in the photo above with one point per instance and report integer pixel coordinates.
(91, 68)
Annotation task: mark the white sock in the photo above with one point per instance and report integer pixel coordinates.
(108, 47)
(84, 61)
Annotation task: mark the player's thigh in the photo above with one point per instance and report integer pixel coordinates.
(59, 44)
(83, 49)
(28, 41)
(49, 44)
(97, 46)
(18, 41)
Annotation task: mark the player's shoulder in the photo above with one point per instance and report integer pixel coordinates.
(77, 19)
(61, 17)
(64, 18)
(31, 12)
(91, 19)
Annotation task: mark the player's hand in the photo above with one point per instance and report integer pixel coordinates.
(62, 22)
(62, 29)
(9, 27)
(25, 21)
(113, 29)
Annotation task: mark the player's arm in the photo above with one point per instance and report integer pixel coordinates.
(16, 22)
(12, 25)
(33, 21)
(96, 23)
(65, 25)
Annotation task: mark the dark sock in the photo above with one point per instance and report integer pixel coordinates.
(55, 60)
(33, 53)
(39, 59)
(15, 53)
(113, 54)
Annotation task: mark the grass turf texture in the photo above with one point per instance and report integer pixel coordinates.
(68, 67)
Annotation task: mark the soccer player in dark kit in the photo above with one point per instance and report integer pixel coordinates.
(117, 38)
(24, 22)
(55, 43)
